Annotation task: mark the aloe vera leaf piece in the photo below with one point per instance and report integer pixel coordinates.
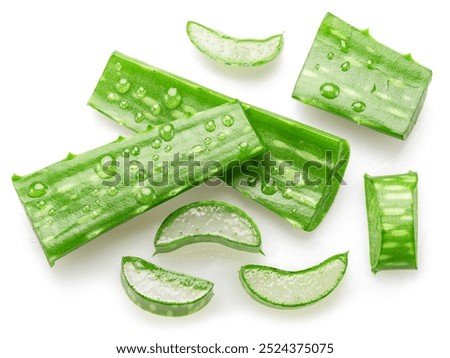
(73, 201)
(392, 216)
(231, 50)
(161, 291)
(306, 202)
(208, 221)
(350, 74)
(293, 289)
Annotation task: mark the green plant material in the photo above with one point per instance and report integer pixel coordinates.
(163, 292)
(294, 178)
(350, 74)
(233, 51)
(292, 289)
(208, 221)
(73, 201)
(391, 202)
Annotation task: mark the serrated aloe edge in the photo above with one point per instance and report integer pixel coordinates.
(350, 74)
(208, 221)
(73, 201)
(392, 214)
(231, 50)
(282, 289)
(297, 178)
(161, 291)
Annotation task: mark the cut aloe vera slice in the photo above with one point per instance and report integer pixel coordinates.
(392, 217)
(307, 158)
(233, 51)
(291, 289)
(161, 291)
(350, 74)
(208, 221)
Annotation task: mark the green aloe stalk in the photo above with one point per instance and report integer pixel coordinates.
(297, 178)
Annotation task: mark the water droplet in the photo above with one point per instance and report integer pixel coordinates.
(113, 191)
(172, 99)
(168, 148)
(345, 66)
(197, 149)
(268, 187)
(329, 90)
(227, 120)
(141, 175)
(369, 64)
(243, 147)
(208, 141)
(141, 92)
(221, 136)
(37, 189)
(374, 88)
(87, 209)
(126, 153)
(167, 132)
(118, 66)
(155, 109)
(139, 117)
(41, 204)
(123, 104)
(52, 212)
(106, 167)
(330, 55)
(145, 196)
(135, 151)
(317, 66)
(293, 210)
(95, 192)
(288, 193)
(210, 126)
(97, 202)
(358, 106)
(343, 46)
(123, 85)
(112, 97)
(155, 157)
(156, 143)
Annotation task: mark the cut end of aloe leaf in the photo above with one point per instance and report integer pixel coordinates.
(234, 51)
(208, 221)
(391, 202)
(350, 74)
(292, 289)
(163, 292)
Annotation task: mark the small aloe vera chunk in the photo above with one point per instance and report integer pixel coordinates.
(391, 202)
(163, 292)
(73, 201)
(350, 74)
(292, 289)
(234, 51)
(208, 221)
(295, 178)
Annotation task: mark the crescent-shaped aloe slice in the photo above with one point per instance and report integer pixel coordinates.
(208, 221)
(233, 51)
(291, 289)
(392, 216)
(161, 291)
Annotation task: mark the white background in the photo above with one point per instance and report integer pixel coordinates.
(52, 54)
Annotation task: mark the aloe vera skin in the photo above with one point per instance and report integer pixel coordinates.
(286, 140)
(68, 203)
(234, 51)
(167, 309)
(341, 259)
(392, 216)
(216, 218)
(350, 74)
